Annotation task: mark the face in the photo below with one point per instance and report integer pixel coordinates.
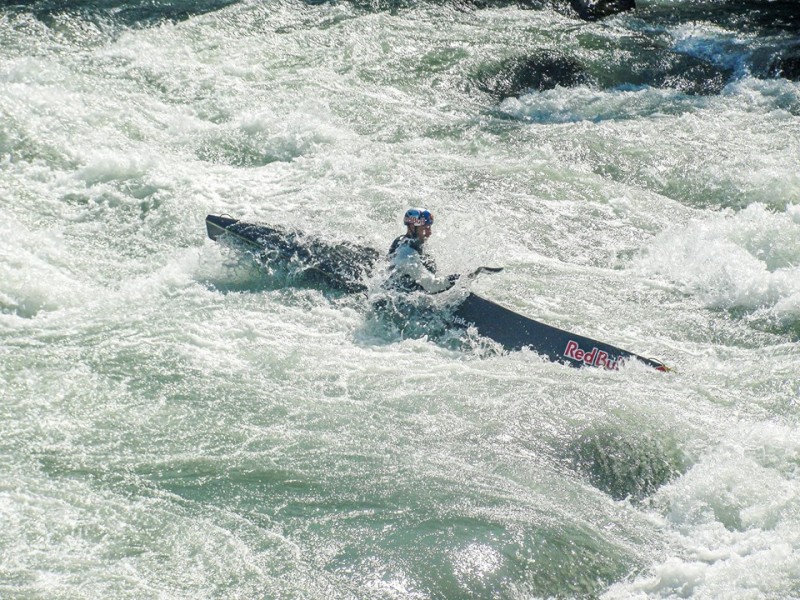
(423, 232)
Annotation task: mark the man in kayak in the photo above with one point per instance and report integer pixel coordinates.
(411, 269)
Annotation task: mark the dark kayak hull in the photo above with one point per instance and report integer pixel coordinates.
(342, 267)
(345, 266)
(515, 332)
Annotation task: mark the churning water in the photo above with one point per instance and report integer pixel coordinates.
(176, 421)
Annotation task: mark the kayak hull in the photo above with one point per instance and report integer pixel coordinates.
(515, 332)
(342, 267)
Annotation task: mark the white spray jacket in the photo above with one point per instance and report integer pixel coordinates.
(410, 270)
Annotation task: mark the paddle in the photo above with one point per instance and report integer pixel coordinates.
(480, 270)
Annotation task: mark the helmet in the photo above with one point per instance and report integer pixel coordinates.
(418, 216)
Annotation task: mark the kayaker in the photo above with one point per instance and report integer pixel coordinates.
(411, 269)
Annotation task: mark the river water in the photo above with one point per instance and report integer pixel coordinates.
(177, 421)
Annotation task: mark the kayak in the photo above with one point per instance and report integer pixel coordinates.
(345, 267)
(515, 332)
(342, 266)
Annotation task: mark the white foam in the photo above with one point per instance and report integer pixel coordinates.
(36, 273)
(105, 166)
(570, 105)
(735, 520)
(749, 259)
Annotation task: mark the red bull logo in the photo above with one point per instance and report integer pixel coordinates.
(593, 358)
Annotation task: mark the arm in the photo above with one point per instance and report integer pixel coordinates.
(406, 261)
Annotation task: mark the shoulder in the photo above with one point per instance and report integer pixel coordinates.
(403, 244)
(405, 252)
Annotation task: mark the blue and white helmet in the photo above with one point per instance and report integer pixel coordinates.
(418, 216)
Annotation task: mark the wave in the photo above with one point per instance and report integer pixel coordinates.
(126, 13)
(746, 263)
